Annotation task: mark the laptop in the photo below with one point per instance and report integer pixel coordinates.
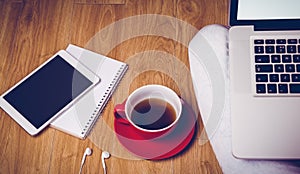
(264, 54)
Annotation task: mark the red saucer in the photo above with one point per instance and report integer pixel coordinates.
(164, 146)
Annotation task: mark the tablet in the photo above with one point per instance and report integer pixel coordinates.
(46, 92)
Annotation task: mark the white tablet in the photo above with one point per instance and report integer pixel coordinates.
(45, 93)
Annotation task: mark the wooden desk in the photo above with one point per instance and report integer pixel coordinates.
(31, 31)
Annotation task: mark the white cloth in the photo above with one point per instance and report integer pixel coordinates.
(216, 37)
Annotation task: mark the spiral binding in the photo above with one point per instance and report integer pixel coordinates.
(105, 98)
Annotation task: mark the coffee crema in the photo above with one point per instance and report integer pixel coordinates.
(153, 114)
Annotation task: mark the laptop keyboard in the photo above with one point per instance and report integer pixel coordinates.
(277, 66)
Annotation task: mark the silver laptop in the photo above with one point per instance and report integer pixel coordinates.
(264, 50)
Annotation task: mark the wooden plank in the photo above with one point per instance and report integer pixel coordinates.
(197, 14)
(14, 142)
(11, 1)
(41, 29)
(87, 21)
(9, 14)
(191, 160)
(105, 2)
(67, 153)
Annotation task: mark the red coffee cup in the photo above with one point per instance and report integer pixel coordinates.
(152, 110)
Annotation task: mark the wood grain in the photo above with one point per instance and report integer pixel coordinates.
(16, 145)
(111, 2)
(155, 49)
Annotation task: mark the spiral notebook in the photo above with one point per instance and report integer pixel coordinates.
(79, 119)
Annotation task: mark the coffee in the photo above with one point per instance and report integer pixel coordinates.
(153, 114)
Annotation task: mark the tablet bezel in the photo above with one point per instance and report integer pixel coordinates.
(26, 124)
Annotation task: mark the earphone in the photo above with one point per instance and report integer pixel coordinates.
(87, 152)
(104, 155)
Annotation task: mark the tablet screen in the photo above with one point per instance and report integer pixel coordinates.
(47, 91)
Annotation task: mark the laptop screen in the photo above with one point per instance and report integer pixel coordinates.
(268, 9)
(266, 14)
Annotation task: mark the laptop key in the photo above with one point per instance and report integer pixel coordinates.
(279, 68)
(291, 49)
(264, 68)
(280, 49)
(283, 88)
(275, 58)
(270, 41)
(295, 77)
(261, 78)
(259, 41)
(281, 41)
(270, 49)
(298, 67)
(292, 41)
(294, 88)
(296, 58)
(286, 58)
(262, 59)
(290, 68)
(260, 88)
(259, 49)
(274, 78)
(272, 88)
(285, 78)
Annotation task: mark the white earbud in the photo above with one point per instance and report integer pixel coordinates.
(104, 155)
(87, 152)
